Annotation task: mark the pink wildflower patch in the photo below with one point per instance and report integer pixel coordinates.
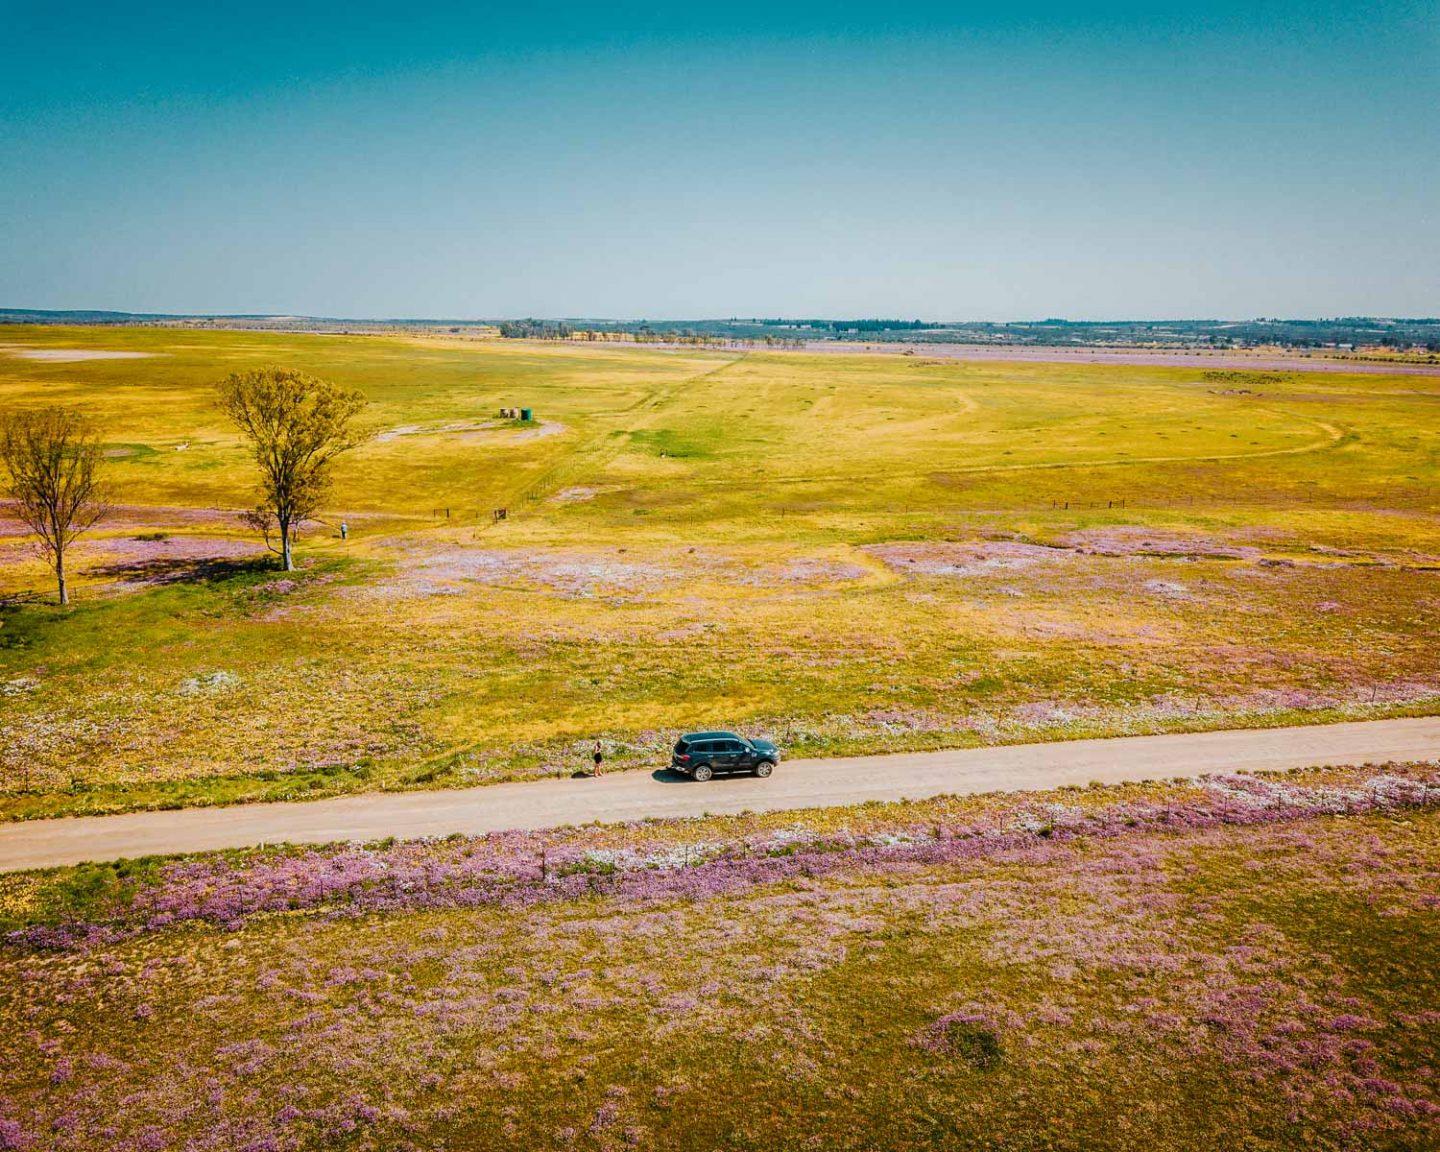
(974, 558)
(1352, 1023)
(972, 1035)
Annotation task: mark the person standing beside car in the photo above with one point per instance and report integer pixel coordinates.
(598, 756)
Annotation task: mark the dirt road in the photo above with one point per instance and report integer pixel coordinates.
(634, 795)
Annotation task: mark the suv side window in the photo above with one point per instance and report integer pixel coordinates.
(733, 746)
(702, 747)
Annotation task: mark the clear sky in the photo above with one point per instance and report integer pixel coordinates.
(1123, 159)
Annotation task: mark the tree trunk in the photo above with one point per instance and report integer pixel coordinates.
(287, 556)
(60, 577)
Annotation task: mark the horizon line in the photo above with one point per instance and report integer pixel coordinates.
(731, 319)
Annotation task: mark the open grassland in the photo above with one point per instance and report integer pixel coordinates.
(845, 553)
(1241, 961)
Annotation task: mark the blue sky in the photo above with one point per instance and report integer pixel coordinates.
(639, 160)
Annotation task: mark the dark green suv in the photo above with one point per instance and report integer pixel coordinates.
(701, 755)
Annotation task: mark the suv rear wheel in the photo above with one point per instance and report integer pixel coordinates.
(702, 772)
(764, 768)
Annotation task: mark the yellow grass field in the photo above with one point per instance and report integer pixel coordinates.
(845, 552)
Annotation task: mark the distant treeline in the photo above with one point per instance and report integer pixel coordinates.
(854, 325)
(642, 333)
(1341, 334)
(536, 329)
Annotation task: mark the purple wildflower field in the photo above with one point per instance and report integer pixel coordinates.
(1146, 966)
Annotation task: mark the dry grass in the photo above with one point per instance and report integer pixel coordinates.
(851, 554)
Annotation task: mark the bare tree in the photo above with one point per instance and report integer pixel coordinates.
(53, 458)
(297, 425)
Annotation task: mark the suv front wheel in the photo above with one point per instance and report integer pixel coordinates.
(764, 768)
(702, 772)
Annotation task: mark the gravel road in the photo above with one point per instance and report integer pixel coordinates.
(635, 795)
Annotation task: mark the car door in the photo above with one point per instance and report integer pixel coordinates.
(728, 754)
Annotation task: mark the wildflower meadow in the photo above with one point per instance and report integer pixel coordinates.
(1146, 966)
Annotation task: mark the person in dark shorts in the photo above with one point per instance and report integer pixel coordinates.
(598, 757)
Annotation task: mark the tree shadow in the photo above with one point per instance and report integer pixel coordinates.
(166, 571)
